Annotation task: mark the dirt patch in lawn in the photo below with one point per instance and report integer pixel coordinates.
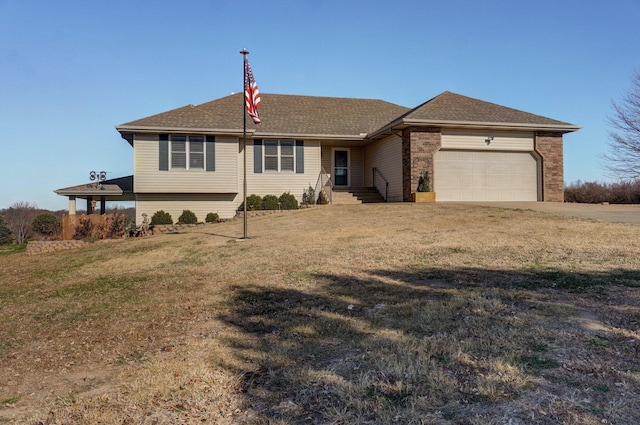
(405, 313)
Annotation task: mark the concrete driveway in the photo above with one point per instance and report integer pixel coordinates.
(613, 213)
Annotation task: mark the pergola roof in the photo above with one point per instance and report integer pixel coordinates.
(118, 189)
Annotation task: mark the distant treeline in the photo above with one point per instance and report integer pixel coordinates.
(129, 213)
(597, 193)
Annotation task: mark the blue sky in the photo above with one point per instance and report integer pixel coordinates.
(71, 70)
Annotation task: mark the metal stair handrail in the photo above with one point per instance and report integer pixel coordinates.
(386, 189)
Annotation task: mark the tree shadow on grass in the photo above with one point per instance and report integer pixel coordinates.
(433, 346)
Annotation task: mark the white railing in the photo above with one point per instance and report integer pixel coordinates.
(324, 186)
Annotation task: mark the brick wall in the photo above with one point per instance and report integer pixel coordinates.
(418, 147)
(549, 146)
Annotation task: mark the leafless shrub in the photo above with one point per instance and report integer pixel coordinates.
(19, 217)
(624, 192)
(115, 226)
(84, 229)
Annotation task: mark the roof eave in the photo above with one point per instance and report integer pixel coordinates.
(404, 123)
(561, 127)
(323, 136)
(154, 129)
(252, 132)
(70, 192)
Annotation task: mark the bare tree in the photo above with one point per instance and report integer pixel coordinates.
(19, 217)
(623, 158)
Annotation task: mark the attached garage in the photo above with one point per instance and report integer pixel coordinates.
(484, 165)
(462, 175)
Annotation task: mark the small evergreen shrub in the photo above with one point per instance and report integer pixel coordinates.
(161, 217)
(309, 196)
(288, 201)
(254, 203)
(270, 202)
(424, 184)
(187, 217)
(47, 224)
(212, 218)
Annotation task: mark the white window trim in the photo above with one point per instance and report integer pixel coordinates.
(187, 142)
(279, 147)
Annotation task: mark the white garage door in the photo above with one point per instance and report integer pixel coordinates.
(485, 176)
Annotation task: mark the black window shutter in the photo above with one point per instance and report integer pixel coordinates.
(300, 156)
(163, 142)
(210, 153)
(257, 156)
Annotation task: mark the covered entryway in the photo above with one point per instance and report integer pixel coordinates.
(341, 168)
(462, 175)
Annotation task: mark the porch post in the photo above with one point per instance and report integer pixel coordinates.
(72, 205)
(102, 205)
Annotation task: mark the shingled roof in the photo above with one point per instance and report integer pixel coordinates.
(280, 115)
(119, 189)
(452, 108)
(336, 117)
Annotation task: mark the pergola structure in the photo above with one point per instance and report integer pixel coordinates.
(119, 189)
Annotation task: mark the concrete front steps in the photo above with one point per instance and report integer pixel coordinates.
(356, 195)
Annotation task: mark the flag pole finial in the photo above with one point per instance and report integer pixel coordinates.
(244, 52)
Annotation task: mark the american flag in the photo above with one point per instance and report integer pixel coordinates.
(251, 93)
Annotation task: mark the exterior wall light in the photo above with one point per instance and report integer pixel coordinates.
(488, 140)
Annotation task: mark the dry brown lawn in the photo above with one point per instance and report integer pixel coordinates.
(373, 314)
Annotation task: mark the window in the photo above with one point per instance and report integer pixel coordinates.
(181, 152)
(187, 152)
(196, 152)
(279, 155)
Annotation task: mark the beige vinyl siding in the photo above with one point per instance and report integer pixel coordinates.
(201, 204)
(476, 140)
(276, 183)
(386, 156)
(149, 179)
(357, 167)
(327, 160)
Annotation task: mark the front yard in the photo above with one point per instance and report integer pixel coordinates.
(385, 313)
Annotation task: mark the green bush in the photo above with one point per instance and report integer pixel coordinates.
(188, 217)
(212, 218)
(47, 224)
(309, 196)
(270, 202)
(288, 201)
(254, 203)
(161, 217)
(424, 184)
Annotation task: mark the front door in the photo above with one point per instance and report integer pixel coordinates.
(341, 167)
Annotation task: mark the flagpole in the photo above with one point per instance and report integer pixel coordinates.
(244, 53)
